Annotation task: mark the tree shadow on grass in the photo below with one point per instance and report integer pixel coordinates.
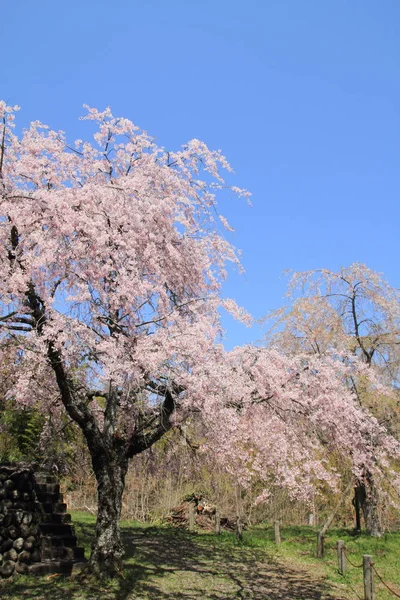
(170, 564)
(175, 564)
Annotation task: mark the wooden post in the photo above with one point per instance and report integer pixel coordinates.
(320, 544)
(239, 529)
(217, 523)
(342, 561)
(277, 533)
(369, 586)
(191, 517)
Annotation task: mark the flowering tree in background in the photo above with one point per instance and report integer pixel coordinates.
(282, 418)
(111, 265)
(351, 313)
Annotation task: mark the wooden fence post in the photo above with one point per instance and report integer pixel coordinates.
(239, 529)
(342, 561)
(369, 586)
(277, 533)
(191, 517)
(320, 544)
(217, 523)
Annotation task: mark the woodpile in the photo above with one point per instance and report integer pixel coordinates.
(204, 515)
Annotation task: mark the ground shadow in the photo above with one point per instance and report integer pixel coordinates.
(170, 564)
(215, 571)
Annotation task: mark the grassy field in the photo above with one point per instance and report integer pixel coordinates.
(166, 563)
(299, 547)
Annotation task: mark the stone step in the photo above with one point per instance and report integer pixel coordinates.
(61, 566)
(55, 518)
(79, 553)
(49, 498)
(47, 488)
(62, 553)
(45, 478)
(20, 505)
(53, 541)
(50, 507)
(59, 529)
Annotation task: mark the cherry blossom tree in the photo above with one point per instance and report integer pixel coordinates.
(352, 312)
(111, 265)
(282, 418)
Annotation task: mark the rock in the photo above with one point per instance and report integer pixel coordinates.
(27, 518)
(29, 543)
(19, 544)
(7, 520)
(6, 546)
(25, 557)
(35, 556)
(23, 482)
(25, 531)
(7, 568)
(18, 517)
(13, 532)
(21, 568)
(11, 555)
(14, 495)
(9, 485)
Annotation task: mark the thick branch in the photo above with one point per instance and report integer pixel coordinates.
(141, 440)
(2, 147)
(76, 408)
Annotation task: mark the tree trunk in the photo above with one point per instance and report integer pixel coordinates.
(107, 549)
(367, 495)
(333, 514)
(357, 510)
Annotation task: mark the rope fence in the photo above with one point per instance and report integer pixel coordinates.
(349, 561)
(385, 584)
(369, 570)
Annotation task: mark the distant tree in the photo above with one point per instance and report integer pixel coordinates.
(352, 312)
(281, 419)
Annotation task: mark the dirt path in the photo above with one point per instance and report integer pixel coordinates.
(187, 568)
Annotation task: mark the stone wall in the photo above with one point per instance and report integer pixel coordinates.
(19, 523)
(36, 533)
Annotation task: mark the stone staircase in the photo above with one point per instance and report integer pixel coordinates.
(59, 552)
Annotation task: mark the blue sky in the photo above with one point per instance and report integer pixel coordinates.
(302, 96)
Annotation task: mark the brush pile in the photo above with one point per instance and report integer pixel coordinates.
(204, 515)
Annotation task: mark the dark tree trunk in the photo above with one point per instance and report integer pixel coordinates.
(107, 549)
(367, 495)
(357, 509)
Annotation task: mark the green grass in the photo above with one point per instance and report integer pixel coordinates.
(166, 563)
(299, 547)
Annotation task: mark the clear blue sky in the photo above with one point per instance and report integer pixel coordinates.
(303, 97)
